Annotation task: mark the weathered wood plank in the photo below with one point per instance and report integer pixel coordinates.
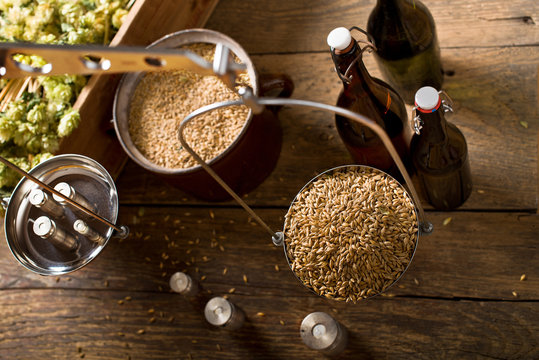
(475, 256)
(91, 324)
(303, 25)
(491, 101)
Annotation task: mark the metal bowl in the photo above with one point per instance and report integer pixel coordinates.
(243, 165)
(329, 172)
(90, 180)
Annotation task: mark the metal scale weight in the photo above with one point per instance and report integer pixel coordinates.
(51, 232)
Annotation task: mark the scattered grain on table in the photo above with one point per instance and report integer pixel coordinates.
(523, 277)
(446, 221)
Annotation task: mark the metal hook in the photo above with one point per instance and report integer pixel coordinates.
(447, 102)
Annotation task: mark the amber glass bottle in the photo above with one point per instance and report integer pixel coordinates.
(407, 50)
(372, 98)
(439, 154)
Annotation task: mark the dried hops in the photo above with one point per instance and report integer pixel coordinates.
(162, 100)
(350, 233)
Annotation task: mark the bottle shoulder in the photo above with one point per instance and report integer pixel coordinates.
(439, 151)
(403, 31)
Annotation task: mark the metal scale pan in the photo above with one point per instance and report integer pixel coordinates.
(422, 226)
(72, 250)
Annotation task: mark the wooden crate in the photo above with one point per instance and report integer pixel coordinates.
(147, 21)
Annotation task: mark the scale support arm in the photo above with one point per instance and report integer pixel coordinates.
(96, 59)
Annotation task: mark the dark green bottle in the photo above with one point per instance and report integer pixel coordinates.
(407, 49)
(439, 153)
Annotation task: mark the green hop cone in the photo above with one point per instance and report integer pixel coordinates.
(69, 121)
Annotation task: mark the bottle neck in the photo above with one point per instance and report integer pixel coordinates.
(434, 127)
(389, 5)
(358, 74)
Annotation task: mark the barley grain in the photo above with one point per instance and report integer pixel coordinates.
(162, 100)
(350, 233)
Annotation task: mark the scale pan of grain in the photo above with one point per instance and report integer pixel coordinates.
(240, 146)
(350, 233)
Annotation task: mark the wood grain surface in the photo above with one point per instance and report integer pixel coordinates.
(471, 291)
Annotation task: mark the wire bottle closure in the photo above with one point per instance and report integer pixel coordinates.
(369, 46)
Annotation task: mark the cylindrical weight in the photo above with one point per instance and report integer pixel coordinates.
(182, 283)
(82, 228)
(221, 312)
(47, 229)
(40, 199)
(68, 191)
(319, 331)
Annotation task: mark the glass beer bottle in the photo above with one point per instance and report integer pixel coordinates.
(439, 153)
(407, 50)
(372, 98)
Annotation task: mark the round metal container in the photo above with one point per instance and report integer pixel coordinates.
(37, 254)
(319, 331)
(247, 161)
(346, 167)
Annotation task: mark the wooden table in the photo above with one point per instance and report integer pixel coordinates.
(461, 298)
